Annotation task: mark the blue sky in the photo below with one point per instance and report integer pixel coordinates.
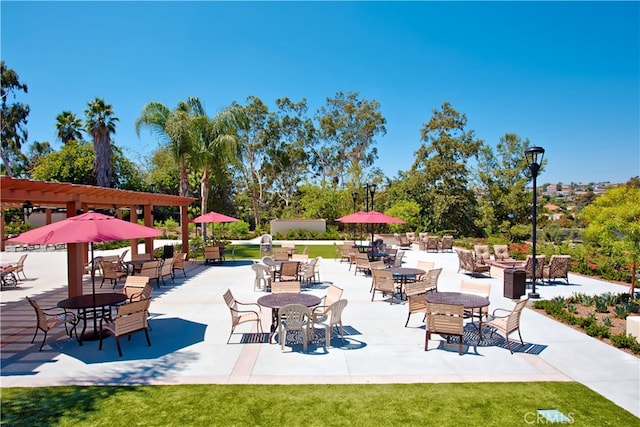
(564, 75)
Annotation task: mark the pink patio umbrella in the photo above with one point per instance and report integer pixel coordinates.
(214, 217)
(371, 217)
(90, 227)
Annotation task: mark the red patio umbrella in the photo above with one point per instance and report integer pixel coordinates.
(214, 217)
(371, 217)
(86, 228)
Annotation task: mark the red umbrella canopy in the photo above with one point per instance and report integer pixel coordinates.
(371, 217)
(86, 228)
(214, 217)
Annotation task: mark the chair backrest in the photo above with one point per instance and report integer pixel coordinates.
(501, 252)
(136, 281)
(137, 293)
(141, 257)
(559, 265)
(362, 260)
(178, 260)
(513, 320)
(482, 289)
(150, 269)
(540, 260)
(445, 318)
(285, 287)
(425, 265)
(422, 236)
(166, 267)
(336, 310)
(131, 317)
(20, 262)
(483, 256)
(262, 271)
(280, 254)
(110, 269)
(123, 254)
(289, 245)
(41, 317)
(383, 280)
(447, 243)
(432, 243)
(266, 238)
(431, 279)
(289, 270)
(295, 316)
(411, 236)
(397, 261)
(267, 260)
(334, 293)
(375, 265)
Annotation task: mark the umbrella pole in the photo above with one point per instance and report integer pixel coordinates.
(93, 294)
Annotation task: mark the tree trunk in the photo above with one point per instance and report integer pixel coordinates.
(183, 190)
(5, 160)
(102, 163)
(204, 197)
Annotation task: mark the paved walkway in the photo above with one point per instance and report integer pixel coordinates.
(191, 324)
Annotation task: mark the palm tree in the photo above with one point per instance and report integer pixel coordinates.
(174, 128)
(216, 145)
(100, 124)
(68, 127)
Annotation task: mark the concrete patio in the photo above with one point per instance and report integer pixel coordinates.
(191, 324)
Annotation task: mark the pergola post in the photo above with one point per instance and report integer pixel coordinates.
(185, 229)
(47, 216)
(133, 217)
(2, 214)
(148, 221)
(74, 257)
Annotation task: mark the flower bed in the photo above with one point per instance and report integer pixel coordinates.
(601, 316)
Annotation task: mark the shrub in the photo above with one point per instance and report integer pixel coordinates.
(606, 321)
(621, 311)
(601, 305)
(595, 330)
(623, 340)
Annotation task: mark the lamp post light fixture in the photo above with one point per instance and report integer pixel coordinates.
(27, 209)
(534, 156)
(139, 210)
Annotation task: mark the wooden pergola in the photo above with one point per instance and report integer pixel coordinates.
(76, 198)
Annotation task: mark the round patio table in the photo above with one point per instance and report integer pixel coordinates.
(81, 303)
(276, 301)
(468, 301)
(403, 273)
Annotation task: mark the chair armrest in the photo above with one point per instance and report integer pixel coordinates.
(249, 304)
(324, 307)
(501, 309)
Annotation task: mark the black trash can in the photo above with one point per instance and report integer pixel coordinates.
(514, 283)
(167, 252)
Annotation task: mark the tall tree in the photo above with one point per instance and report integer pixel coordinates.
(613, 222)
(68, 127)
(13, 118)
(439, 178)
(175, 129)
(503, 176)
(254, 132)
(348, 128)
(216, 146)
(100, 124)
(289, 152)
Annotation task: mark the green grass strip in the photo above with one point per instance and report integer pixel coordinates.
(485, 404)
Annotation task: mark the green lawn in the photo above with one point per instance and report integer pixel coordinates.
(470, 404)
(247, 251)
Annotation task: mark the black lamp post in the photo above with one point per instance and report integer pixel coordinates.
(354, 196)
(534, 156)
(27, 209)
(370, 190)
